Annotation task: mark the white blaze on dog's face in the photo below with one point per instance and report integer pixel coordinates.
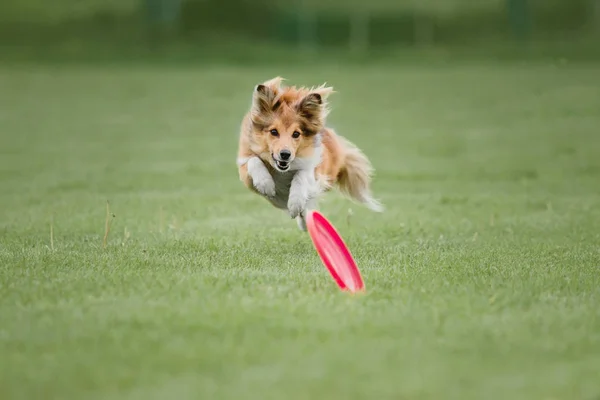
(286, 123)
(284, 141)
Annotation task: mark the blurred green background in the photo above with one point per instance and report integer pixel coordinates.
(481, 119)
(244, 30)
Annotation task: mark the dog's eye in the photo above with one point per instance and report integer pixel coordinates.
(274, 132)
(296, 135)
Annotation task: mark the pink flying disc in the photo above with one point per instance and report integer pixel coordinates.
(333, 252)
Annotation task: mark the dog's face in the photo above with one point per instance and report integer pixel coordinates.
(286, 122)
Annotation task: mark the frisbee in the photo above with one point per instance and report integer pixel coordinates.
(334, 253)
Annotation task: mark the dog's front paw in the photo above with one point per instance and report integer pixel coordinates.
(265, 186)
(296, 206)
(261, 178)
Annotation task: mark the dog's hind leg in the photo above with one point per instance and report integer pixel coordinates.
(311, 204)
(301, 220)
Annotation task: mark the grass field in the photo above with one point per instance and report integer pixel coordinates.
(482, 276)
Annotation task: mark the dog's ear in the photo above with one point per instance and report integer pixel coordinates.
(311, 106)
(263, 102)
(323, 91)
(314, 105)
(264, 97)
(274, 83)
(312, 109)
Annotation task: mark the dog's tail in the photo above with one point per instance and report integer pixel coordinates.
(354, 179)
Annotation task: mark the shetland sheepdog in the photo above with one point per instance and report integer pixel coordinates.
(289, 156)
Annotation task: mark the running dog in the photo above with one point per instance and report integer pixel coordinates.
(289, 156)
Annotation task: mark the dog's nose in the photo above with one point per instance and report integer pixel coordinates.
(285, 154)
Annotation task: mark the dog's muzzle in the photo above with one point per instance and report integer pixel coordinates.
(282, 165)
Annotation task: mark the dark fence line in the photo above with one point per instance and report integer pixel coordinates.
(262, 22)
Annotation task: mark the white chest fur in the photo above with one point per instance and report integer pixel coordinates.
(303, 166)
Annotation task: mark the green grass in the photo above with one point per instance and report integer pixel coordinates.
(482, 276)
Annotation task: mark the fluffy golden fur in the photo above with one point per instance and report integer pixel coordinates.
(288, 155)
